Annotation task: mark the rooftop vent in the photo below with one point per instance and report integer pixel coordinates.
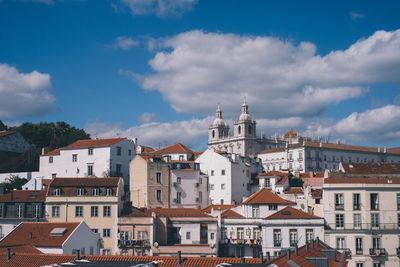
(58, 231)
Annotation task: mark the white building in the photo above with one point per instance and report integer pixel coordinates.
(317, 156)
(229, 175)
(90, 158)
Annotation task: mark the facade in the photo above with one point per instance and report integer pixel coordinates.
(89, 158)
(229, 175)
(363, 218)
(54, 238)
(97, 201)
(309, 156)
(20, 206)
(11, 141)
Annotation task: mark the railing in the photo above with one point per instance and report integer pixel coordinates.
(339, 207)
(377, 252)
(347, 252)
(363, 226)
(133, 243)
(299, 159)
(277, 244)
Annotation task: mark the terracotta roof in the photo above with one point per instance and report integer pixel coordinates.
(137, 213)
(292, 213)
(231, 214)
(149, 157)
(272, 150)
(94, 143)
(218, 207)
(3, 133)
(41, 236)
(177, 212)
(311, 175)
(175, 148)
(362, 180)
(69, 185)
(291, 134)
(294, 190)
(145, 149)
(371, 167)
(24, 196)
(264, 196)
(55, 152)
(21, 249)
(316, 193)
(46, 182)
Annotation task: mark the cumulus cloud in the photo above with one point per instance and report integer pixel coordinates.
(24, 94)
(356, 15)
(192, 133)
(161, 8)
(147, 117)
(124, 43)
(279, 78)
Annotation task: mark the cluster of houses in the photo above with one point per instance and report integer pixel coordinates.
(237, 199)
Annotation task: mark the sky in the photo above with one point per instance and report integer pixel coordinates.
(156, 70)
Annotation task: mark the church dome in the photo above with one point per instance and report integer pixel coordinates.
(218, 120)
(244, 116)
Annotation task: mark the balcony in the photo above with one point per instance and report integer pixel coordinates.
(377, 252)
(339, 207)
(133, 243)
(277, 243)
(362, 226)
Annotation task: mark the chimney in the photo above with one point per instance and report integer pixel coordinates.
(268, 257)
(261, 258)
(42, 151)
(242, 260)
(288, 254)
(179, 258)
(78, 254)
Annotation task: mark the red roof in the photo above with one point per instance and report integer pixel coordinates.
(24, 196)
(55, 152)
(218, 207)
(41, 236)
(292, 213)
(294, 190)
(362, 180)
(94, 143)
(3, 133)
(371, 167)
(291, 134)
(264, 196)
(177, 212)
(231, 214)
(69, 185)
(175, 148)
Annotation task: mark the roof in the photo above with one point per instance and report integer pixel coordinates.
(55, 152)
(231, 214)
(24, 196)
(177, 212)
(291, 134)
(136, 213)
(175, 148)
(92, 182)
(371, 167)
(264, 196)
(3, 133)
(149, 157)
(292, 213)
(197, 154)
(316, 193)
(218, 207)
(362, 180)
(41, 236)
(283, 175)
(94, 143)
(294, 190)
(145, 149)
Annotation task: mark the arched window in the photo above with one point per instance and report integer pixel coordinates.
(239, 129)
(213, 134)
(249, 129)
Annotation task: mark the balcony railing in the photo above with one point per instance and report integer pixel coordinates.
(347, 252)
(133, 243)
(377, 252)
(363, 226)
(339, 207)
(277, 244)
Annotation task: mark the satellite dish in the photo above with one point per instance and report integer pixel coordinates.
(156, 244)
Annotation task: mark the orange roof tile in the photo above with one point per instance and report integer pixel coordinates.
(291, 134)
(177, 212)
(137, 213)
(94, 143)
(218, 207)
(362, 180)
(24, 196)
(77, 182)
(40, 234)
(371, 167)
(55, 152)
(197, 154)
(175, 148)
(264, 196)
(292, 213)
(294, 190)
(231, 214)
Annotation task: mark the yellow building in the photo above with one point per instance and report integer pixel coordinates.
(150, 182)
(97, 201)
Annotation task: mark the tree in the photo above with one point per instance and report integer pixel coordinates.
(14, 182)
(295, 181)
(3, 127)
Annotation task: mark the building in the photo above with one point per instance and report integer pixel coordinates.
(229, 175)
(53, 238)
(362, 215)
(11, 141)
(97, 201)
(310, 156)
(20, 206)
(89, 158)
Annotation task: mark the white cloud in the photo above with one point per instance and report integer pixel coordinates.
(147, 117)
(356, 15)
(279, 78)
(161, 8)
(192, 133)
(124, 43)
(24, 94)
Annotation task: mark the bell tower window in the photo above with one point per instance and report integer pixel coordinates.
(239, 129)
(249, 129)
(213, 134)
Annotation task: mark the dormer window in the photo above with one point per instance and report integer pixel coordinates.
(108, 192)
(95, 191)
(80, 191)
(57, 192)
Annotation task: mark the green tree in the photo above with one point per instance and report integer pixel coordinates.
(14, 182)
(295, 181)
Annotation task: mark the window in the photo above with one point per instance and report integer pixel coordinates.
(178, 197)
(212, 172)
(273, 206)
(94, 211)
(356, 201)
(78, 211)
(53, 175)
(222, 186)
(339, 202)
(36, 211)
(95, 191)
(158, 195)
(357, 221)
(309, 235)
(55, 211)
(50, 159)
(249, 129)
(20, 210)
(187, 235)
(91, 250)
(398, 201)
(106, 232)
(74, 157)
(222, 172)
(239, 129)
(317, 201)
(340, 243)
(267, 182)
(90, 151)
(129, 152)
(398, 220)
(178, 180)
(359, 246)
(293, 237)
(376, 242)
(212, 235)
(108, 192)
(57, 192)
(223, 233)
(339, 220)
(211, 187)
(221, 201)
(142, 235)
(213, 133)
(200, 181)
(181, 157)
(240, 234)
(107, 211)
(118, 151)
(256, 211)
(158, 177)
(377, 264)
(374, 201)
(106, 251)
(359, 264)
(200, 196)
(374, 220)
(118, 168)
(256, 233)
(95, 230)
(80, 191)
(90, 169)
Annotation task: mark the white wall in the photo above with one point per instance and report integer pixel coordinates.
(81, 237)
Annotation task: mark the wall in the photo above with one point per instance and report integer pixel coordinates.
(138, 182)
(82, 237)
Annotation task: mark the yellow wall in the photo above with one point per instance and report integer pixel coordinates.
(138, 182)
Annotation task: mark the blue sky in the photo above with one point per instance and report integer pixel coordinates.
(156, 70)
